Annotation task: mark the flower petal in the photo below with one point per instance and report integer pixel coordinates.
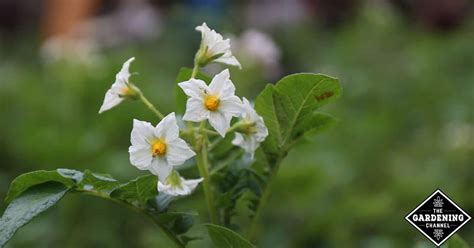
(142, 133)
(221, 85)
(160, 168)
(231, 106)
(228, 59)
(193, 87)
(178, 152)
(110, 100)
(195, 110)
(140, 157)
(124, 73)
(220, 122)
(167, 129)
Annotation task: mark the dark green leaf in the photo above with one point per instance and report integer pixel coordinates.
(137, 191)
(181, 98)
(182, 224)
(27, 180)
(28, 205)
(98, 182)
(225, 238)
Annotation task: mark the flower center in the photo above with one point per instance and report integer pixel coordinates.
(158, 148)
(211, 102)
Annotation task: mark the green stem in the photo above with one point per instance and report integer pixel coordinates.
(150, 105)
(195, 70)
(263, 201)
(203, 166)
(139, 210)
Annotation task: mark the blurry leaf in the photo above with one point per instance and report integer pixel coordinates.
(137, 191)
(27, 206)
(455, 242)
(225, 238)
(181, 98)
(166, 218)
(27, 180)
(288, 108)
(182, 224)
(98, 182)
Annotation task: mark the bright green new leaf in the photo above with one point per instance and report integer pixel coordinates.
(226, 238)
(28, 205)
(137, 191)
(181, 98)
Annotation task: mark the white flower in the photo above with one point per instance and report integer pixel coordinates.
(120, 88)
(214, 48)
(159, 148)
(216, 102)
(175, 185)
(254, 130)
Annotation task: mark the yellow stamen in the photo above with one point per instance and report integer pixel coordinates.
(211, 102)
(158, 148)
(125, 91)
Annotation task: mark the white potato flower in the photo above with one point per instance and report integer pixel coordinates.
(159, 148)
(120, 88)
(253, 132)
(216, 102)
(176, 185)
(214, 48)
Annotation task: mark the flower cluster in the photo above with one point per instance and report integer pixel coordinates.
(160, 149)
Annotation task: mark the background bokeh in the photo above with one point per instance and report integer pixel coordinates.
(406, 115)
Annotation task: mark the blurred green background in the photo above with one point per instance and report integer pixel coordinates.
(406, 115)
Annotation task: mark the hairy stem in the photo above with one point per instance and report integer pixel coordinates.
(150, 106)
(195, 70)
(203, 166)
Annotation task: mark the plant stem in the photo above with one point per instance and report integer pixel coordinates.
(136, 209)
(150, 106)
(203, 166)
(263, 201)
(195, 70)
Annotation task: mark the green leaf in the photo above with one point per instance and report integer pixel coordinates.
(181, 98)
(226, 238)
(27, 180)
(455, 242)
(288, 108)
(28, 205)
(266, 107)
(137, 191)
(98, 182)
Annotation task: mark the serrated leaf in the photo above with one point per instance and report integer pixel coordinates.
(27, 180)
(137, 191)
(28, 205)
(225, 238)
(98, 182)
(455, 242)
(181, 98)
